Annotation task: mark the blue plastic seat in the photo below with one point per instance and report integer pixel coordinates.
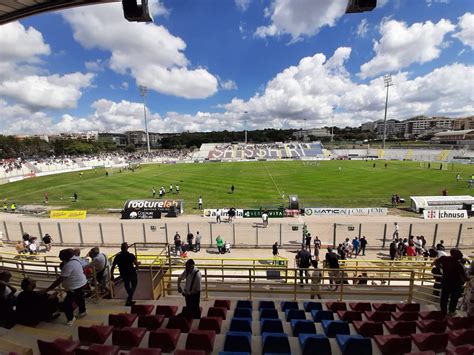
(266, 305)
(319, 316)
(238, 342)
(302, 327)
(271, 326)
(289, 305)
(244, 304)
(294, 314)
(243, 313)
(354, 344)
(314, 344)
(334, 327)
(268, 314)
(275, 344)
(312, 306)
(241, 325)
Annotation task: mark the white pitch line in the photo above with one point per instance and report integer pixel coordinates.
(271, 177)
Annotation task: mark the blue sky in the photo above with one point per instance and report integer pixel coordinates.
(213, 65)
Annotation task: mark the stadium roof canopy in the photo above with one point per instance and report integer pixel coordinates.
(12, 10)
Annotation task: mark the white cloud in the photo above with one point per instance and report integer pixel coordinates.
(362, 28)
(466, 34)
(94, 65)
(431, 2)
(401, 46)
(54, 91)
(228, 85)
(242, 5)
(153, 56)
(300, 17)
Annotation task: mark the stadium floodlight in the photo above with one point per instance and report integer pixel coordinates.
(143, 92)
(387, 79)
(245, 128)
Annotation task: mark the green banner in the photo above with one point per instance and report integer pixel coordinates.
(258, 213)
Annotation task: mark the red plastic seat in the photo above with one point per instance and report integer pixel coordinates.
(165, 339)
(181, 323)
(142, 309)
(222, 303)
(431, 341)
(432, 325)
(461, 322)
(201, 340)
(402, 328)
(368, 329)
(167, 311)
(422, 353)
(99, 349)
(385, 307)
(96, 334)
(150, 321)
(378, 316)
(405, 316)
(461, 350)
(408, 307)
(461, 337)
(436, 315)
(336, 306)
(122, 320)
(211, 323)
(128, 337)
(349, 316)
(143, 351)
(189, 352)
(58, 347)
(217, 312)
(393, 344)
(360, 306)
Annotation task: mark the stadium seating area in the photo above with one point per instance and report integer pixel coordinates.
(231, 326)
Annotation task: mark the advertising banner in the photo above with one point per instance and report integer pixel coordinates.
(211, 212)
(68, 214)
(258, 213)
(444, 214)
(150, 208)
(376, 211)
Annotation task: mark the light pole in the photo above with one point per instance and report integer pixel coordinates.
(245, 128)
(332, 125)
(143, 92)
(387, 79)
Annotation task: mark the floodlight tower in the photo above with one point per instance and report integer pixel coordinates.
(387, 79)
(245, 113)
(143, 92)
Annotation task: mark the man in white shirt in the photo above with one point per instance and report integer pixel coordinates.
(191, 290)
(99, 263)
(218, 216)
(197, 245)
(396, 232)
(73, 280)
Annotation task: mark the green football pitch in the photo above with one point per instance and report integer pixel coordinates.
(257, 184)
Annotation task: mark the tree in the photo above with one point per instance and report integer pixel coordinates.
(130, 148)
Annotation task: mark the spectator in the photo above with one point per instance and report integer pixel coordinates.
(100, 264)
(47, 241)
(192, 289)
(396, 232)
(363, 244)
(220, 244)
(197, 245)
(190, 238)
(355, 246)
(452, 281)
(332, 262)
(275, 252)
(362, 279)
(411, 250)
(441, 249)
(83, 261)
(393, 249)
(20, 247)
(73, 281)
(316, 281)
(218, 216)
(127, 263)
(33, 307)
(177, 244)
(7, 301)
(468, 303)
(438, 277)
(307, 242)
(303, 261)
